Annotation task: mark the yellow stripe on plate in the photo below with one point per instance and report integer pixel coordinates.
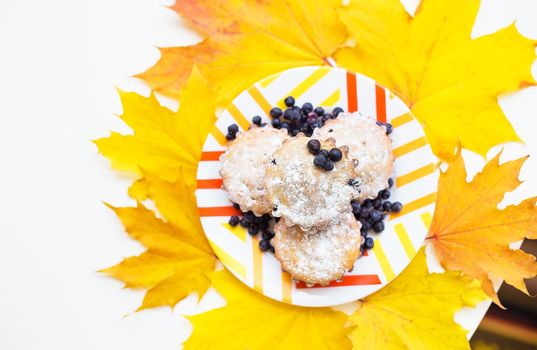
(416, 204)
(229, 261)
(287, 287)
(238, 116)
(409, 147)
(405, 240)
(260, 99)
(414, 175)
(426, 218)
(306, 84)
(402, 119)
(266, 82)
(219, 136)
(383, 261)
(332, 99)
(257, 260)
(238, 231)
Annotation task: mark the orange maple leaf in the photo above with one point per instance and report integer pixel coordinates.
(248, 40)
(470, 234)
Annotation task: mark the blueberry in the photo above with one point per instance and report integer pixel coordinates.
(289, 101)
(267, 235)
(368, 203)
(390, 182)
(384, 194)
(293, 116)
(380, 123)
(233, 129)
(266, 217)
(285, 125)
(272, 250)
(319, 111)
(253, 230)
(356, 207)
(244, 223)
(236, 206)
(257, 120)
(319, 161)
(324, 153)
(375, 215)
(336, 111)
(314, 146)
(276, 123)
(378, 226)
(249, 217)
(396, 207)
(366, 226)
(377, 203)
(369, 243)
(386, 206)
(263, 225)
(264, 245)
(234, 221)
(276, 112)
(328, 165)
(230, 137)
(364, 212)
(335, 154)
(389, 128)
(307, 108)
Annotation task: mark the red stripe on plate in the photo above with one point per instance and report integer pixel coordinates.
(209, 184)
(214, 155)
(380, 96)
(352, 97)
(350, 280)
(219, 211)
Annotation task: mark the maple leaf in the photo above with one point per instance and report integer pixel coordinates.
(247, 40)
(470, 234)
(174, 263)
(163, 141)
(450, 81)
(252, 321)
(416, 310)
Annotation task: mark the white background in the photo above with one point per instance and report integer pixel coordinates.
(59, 64)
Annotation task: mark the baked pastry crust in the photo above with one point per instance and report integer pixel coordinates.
(367, 143)
(319, 255)
(244, 164)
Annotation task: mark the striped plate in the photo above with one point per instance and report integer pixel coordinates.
(415, 186)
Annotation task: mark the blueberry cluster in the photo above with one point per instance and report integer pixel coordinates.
(254, 225)
(232, 131)
(301, 119)
(372, 212)
(323, 158)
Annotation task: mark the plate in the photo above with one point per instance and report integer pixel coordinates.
(415, 175)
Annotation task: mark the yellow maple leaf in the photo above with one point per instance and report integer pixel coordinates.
(450, 81)
(163, 141)
(252, 321)
(248, 40)
(415, 311)
(174, 264)
(470, 234)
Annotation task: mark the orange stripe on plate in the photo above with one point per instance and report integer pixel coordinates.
(209, 184)
(409, 147)
(208, 156)
(380, 97)
(219, 211)
(257, 260)
(219, 136)
(416, 204)
(414, 175)
(287, 288)
(402, 119)
(239, 117)
(260, 99)
(350, 280)
(352, 96)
